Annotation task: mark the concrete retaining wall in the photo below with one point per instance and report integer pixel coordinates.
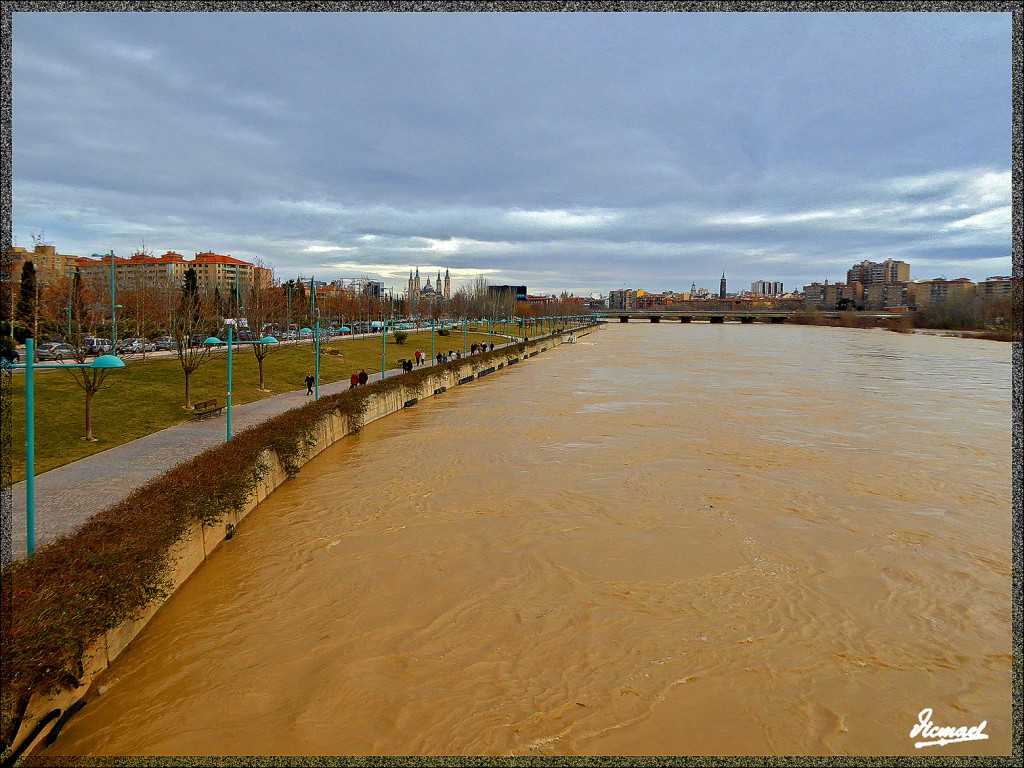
(201, 542)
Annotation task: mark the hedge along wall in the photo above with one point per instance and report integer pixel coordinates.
(78, 602)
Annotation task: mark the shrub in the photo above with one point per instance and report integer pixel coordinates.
(443, 332)
(807, 316)
(400, 337)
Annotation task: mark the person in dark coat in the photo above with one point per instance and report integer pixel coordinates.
(363, 378)
(310, 381)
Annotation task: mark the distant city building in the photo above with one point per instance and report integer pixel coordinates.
(827, 296)
(519, 291)
(359, 287)
(993, 288)
(214, 271)
(767, 288)
(933, 291)
(624, 299)
(50, 266)
(874, 273)
(431, 292)
(721, 287)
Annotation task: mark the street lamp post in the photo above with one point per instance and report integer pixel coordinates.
(383, 348)
(214, 341)
(113, 296)
(29, 366)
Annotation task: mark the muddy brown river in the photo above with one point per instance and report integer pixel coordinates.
(665, 539)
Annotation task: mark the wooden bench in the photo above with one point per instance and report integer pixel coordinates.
(207, 408)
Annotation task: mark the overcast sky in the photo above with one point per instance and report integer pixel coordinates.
(580, 152)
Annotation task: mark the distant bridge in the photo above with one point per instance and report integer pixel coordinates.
(721, 315)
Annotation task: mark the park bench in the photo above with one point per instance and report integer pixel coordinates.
(207, 408)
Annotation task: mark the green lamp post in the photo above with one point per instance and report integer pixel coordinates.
(29, 366)
(113, 296)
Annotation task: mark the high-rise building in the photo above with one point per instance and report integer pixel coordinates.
(721, 287)
(874, 273)
(767, 288)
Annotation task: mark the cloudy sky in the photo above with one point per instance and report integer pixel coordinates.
(580, 152)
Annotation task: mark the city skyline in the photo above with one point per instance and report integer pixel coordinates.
(626, 150)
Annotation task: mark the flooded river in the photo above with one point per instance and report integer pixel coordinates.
(665, 539)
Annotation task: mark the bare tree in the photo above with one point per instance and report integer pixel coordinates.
(264, 308)
(189, 323)
(76, 323)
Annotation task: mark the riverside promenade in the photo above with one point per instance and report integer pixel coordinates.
(66, 497)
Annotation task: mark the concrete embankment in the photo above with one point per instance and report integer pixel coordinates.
(200, 542)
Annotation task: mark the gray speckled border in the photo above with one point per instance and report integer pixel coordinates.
(622, 5)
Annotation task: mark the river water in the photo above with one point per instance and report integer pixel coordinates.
(665, 539)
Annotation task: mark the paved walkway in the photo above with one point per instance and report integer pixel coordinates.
(68, 496)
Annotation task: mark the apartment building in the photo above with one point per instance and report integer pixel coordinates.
(50, 266)
(624, 299)
(993, 288)
(933, 291)
(874, 273)
(213, 271)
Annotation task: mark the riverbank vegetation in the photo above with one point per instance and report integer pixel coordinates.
(969, 316)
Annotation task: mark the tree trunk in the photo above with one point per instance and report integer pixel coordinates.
(259, 360)
(88, 414)
(188, 389)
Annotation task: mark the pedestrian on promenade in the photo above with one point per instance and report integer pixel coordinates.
(363, 378)
(354, 381)
(419, 358)
(310, 381)
(492, 347)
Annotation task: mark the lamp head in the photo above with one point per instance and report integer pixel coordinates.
(107, 361)
(268, 340)
(212, 341)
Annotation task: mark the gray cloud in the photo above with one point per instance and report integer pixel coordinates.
(572, 151)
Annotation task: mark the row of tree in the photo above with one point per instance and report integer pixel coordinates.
(72, 310)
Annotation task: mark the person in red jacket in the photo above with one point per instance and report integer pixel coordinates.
(354, 381)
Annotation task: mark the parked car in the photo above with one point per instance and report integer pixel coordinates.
(165, 343)
(135, 346)
(54, 351)
(97, 346)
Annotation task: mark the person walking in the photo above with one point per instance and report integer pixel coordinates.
(363, 378)
(419, 358)
(354, 381)
(310, 381)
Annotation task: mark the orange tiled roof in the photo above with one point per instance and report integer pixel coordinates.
(215, 258)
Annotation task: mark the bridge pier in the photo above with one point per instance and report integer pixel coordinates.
(623, 318)
(717, 319)
(655, 318)
(746, 320)
(685, 319)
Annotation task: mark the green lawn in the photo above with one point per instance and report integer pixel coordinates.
(145, 397)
